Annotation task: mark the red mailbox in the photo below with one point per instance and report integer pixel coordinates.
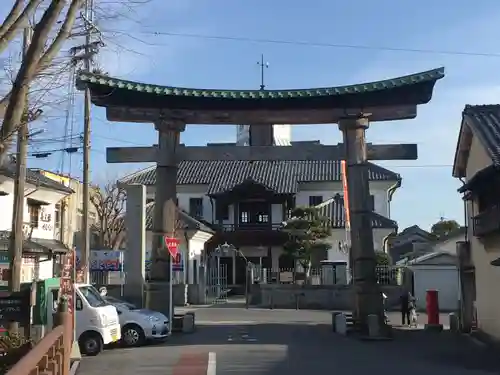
(432, 306)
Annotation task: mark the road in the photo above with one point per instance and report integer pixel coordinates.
(232, 340)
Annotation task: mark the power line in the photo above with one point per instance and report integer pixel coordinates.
(242, 39)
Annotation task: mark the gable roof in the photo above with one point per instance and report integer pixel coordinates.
(34, 177)
(184, 220)
(483, 122)
(426, 257)
(333, 209)
(413, 230)
(281, 176)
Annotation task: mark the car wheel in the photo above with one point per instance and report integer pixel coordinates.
(132, 335)
(90, 344)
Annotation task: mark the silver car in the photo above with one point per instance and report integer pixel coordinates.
(139, 325)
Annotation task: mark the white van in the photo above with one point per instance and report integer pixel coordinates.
(97, 322)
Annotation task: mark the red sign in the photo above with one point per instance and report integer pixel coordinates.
(172, 245)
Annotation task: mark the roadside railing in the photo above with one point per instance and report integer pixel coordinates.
(51, 355)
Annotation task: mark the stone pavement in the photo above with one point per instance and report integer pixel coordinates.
(288, 342)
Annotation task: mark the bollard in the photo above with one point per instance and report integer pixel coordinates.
(188, 325)
(334, 317)
(432, 307)
(373, 326)
(340, 324)
(454, 322)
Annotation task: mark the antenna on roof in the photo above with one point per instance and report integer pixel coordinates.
(263, 65)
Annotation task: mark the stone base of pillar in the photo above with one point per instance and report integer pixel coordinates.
(157, 296)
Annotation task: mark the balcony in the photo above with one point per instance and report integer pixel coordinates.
(487, 222)
(251, 227)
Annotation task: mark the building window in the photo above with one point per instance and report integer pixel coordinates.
(196, 207)
(34, 213)
(371, 203)
(57, 216)
(262, 218)
(244, 217)
(314, 200)
(291, 206)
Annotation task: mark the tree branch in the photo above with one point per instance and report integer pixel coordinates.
(109, 204)
(17, 102)
(11, 17)
(9, 34)
(62, 35)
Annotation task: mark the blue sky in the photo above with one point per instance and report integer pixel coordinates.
(139, 47)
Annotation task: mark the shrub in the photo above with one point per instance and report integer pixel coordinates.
(13, 347)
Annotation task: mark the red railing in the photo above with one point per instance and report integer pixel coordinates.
(50, 356)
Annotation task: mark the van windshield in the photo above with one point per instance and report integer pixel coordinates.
(92, 296)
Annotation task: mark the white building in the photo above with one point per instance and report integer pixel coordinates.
(246, 203)
(282, 135)
(39, 219)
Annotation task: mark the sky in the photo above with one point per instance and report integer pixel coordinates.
(314, 43)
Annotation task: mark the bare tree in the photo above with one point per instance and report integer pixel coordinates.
(109, 204)
(39, 56)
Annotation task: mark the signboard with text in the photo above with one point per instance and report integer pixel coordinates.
(15, 307)
(172, 245)
(67, 279)
(178, 262)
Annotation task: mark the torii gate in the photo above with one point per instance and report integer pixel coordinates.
(351, 107)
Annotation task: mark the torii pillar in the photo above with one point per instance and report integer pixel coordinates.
(368, 298)
(165, 214)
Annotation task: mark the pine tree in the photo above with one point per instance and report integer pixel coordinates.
(308, 232)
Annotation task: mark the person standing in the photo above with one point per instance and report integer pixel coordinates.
(405, 308)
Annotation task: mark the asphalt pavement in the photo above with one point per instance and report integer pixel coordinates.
(232, 340)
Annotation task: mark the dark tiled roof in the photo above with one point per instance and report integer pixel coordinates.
(34, 245)
(333, 209)
(102, 80)
(35, 178)
(281, 176)
(484, 121)
(184, 220)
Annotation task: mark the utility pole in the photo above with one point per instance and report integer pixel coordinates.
(89, 14)
(16, 234)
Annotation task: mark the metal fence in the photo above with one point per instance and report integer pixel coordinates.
(386, 275)
(102, 277)
(216, 284)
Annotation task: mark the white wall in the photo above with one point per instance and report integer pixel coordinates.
(340, 235)
(449, 246)
(325, 189)
(46, 218)
(442, 278)
(196, 246)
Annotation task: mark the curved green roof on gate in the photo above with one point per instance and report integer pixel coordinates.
(84, 78)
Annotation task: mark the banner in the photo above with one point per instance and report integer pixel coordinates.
(343, 171)
(109, 260)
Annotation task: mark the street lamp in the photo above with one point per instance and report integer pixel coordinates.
(226, 248)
